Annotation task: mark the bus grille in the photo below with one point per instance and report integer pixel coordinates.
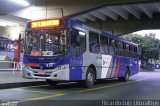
(38, 75)
(44, 68)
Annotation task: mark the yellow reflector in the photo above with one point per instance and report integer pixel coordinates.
(45, 23)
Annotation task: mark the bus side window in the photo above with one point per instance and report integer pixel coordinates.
(127, 51)
(78, 42)
(120, 48)
(130, 48)
(111, 46)
(120, 45)
(135, 49)
(130, 51)
(124, 46)
(127, 47)
(78, 38)
(94, 45)
(113, 43)
(104, 45)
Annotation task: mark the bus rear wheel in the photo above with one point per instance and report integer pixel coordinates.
(50, 82)
(90, 78)
(126, 77)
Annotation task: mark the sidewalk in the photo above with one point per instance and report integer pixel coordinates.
(146, 70)
(8, 79)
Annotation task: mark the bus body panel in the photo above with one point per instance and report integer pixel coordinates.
(76, 62)
(56, 68)
(92, 59)
(108, 66)
(76, 68)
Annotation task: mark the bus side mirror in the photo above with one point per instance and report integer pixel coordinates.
(20, 37)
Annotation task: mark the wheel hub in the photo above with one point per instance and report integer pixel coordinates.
(90, 77)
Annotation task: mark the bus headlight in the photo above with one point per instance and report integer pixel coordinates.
(63, 67)
(26, 67)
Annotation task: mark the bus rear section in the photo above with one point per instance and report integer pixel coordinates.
(109, 57)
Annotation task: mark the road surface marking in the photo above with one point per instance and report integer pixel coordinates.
(46, 97)
(96, 88)
(36, 91)
(42, 92)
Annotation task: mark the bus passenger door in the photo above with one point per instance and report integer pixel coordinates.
(78, 47)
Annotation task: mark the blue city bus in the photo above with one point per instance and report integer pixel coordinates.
(62, 50)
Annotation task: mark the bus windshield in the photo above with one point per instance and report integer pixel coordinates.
(48, 42)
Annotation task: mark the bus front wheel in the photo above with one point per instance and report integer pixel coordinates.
(50, 82)
(90, 78)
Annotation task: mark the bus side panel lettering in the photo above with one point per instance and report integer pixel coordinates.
(106, 61)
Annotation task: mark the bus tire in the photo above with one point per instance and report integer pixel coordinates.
(90, 78)
(50, 82)
(126, 77)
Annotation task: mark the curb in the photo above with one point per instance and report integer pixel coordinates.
(21, 84)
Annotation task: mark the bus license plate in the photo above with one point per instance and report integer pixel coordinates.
(41, 72)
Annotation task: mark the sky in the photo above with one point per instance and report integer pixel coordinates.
(143, 32)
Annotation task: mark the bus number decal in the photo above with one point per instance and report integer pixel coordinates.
(49, 65)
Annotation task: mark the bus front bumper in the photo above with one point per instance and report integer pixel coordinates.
(61, 74)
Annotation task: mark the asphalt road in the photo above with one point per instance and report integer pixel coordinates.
(143, 86)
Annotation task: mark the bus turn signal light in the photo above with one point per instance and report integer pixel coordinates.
(45, 23)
